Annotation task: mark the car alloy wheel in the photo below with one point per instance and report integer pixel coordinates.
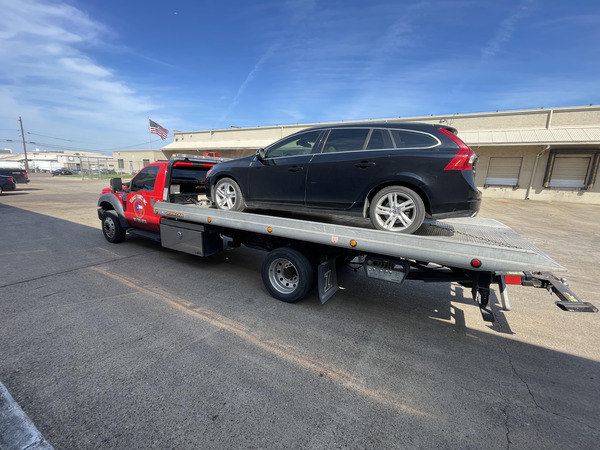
(228, 195)
(398, 209)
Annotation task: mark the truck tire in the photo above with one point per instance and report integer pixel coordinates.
(398, 209)
(111, 227)
(228, 195)
(287, 274)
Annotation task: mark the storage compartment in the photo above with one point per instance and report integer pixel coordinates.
(189, 238)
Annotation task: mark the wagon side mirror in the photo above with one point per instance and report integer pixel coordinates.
(260, 155)
(116, 185)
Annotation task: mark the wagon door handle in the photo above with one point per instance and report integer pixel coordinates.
(295, 169)
(364, 164)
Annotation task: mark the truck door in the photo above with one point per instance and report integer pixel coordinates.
(145, 189)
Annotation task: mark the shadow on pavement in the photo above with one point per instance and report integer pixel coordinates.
(132, 345)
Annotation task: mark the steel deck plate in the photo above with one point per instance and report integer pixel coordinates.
(451, 243)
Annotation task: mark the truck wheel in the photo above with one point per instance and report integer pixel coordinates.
(111, 227)
(398, 209)
(287, 274)
(228, 195)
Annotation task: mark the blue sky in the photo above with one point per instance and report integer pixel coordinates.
(86, 75)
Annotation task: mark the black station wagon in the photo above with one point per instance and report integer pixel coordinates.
(394, 173)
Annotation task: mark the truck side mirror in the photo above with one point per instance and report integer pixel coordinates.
(116, 185)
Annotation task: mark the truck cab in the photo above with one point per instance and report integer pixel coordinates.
(129, 206)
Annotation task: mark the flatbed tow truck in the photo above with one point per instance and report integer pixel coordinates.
(476, 253)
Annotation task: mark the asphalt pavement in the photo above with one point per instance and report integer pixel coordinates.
(134, 346)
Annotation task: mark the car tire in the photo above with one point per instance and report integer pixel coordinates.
(228, 195)
(397, 209)
(287, 274)
(111, 227)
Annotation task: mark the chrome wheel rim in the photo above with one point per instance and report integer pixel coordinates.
(109, 228)
(395, 211)
(283, 276)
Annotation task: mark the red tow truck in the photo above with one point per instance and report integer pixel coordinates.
(166, 202)
(129, 208)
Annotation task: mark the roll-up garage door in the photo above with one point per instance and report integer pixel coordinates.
(570, 171)
(503, 171)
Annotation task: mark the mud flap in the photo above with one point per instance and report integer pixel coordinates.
(327, 277)
(481, 294)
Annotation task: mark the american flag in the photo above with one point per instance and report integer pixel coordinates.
(157, 129)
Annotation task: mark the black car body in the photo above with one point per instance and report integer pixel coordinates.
(18, 175)
(63, 171)
(394, 173)
(7, 184)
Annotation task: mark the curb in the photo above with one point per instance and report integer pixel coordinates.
(17, 431)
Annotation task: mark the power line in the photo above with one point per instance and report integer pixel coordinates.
(82, 149)
(51, 137)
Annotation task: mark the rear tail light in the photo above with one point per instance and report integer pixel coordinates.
(465, 157)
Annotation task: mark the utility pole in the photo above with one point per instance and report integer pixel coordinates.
(24, 147)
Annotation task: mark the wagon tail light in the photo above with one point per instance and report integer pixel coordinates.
(465, 158)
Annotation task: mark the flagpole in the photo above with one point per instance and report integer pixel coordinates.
(149, 134)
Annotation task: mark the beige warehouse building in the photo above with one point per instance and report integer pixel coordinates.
(542, 154)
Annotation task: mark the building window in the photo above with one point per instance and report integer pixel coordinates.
(145, 162)
(503, 172)
(572, 170)
(121, 163)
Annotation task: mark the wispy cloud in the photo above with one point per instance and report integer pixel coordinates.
(507, 29)
(47, 68)
(251, 76)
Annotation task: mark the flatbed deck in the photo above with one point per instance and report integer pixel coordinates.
(451, 243)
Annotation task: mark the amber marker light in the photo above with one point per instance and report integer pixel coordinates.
(209, 220)
(269, 229)
(353, 243)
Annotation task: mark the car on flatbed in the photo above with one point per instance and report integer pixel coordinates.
(394, 173)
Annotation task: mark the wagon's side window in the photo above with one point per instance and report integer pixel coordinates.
(301, 144)
(410, 139)
(346, 140)
(379, 139)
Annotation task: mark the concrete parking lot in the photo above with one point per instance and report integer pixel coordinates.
(134, 346)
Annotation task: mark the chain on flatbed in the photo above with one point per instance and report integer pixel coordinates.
(487, 231)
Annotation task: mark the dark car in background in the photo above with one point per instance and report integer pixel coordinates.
(18, 175)
(7, 184)
(62, 171)
(394, 173)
